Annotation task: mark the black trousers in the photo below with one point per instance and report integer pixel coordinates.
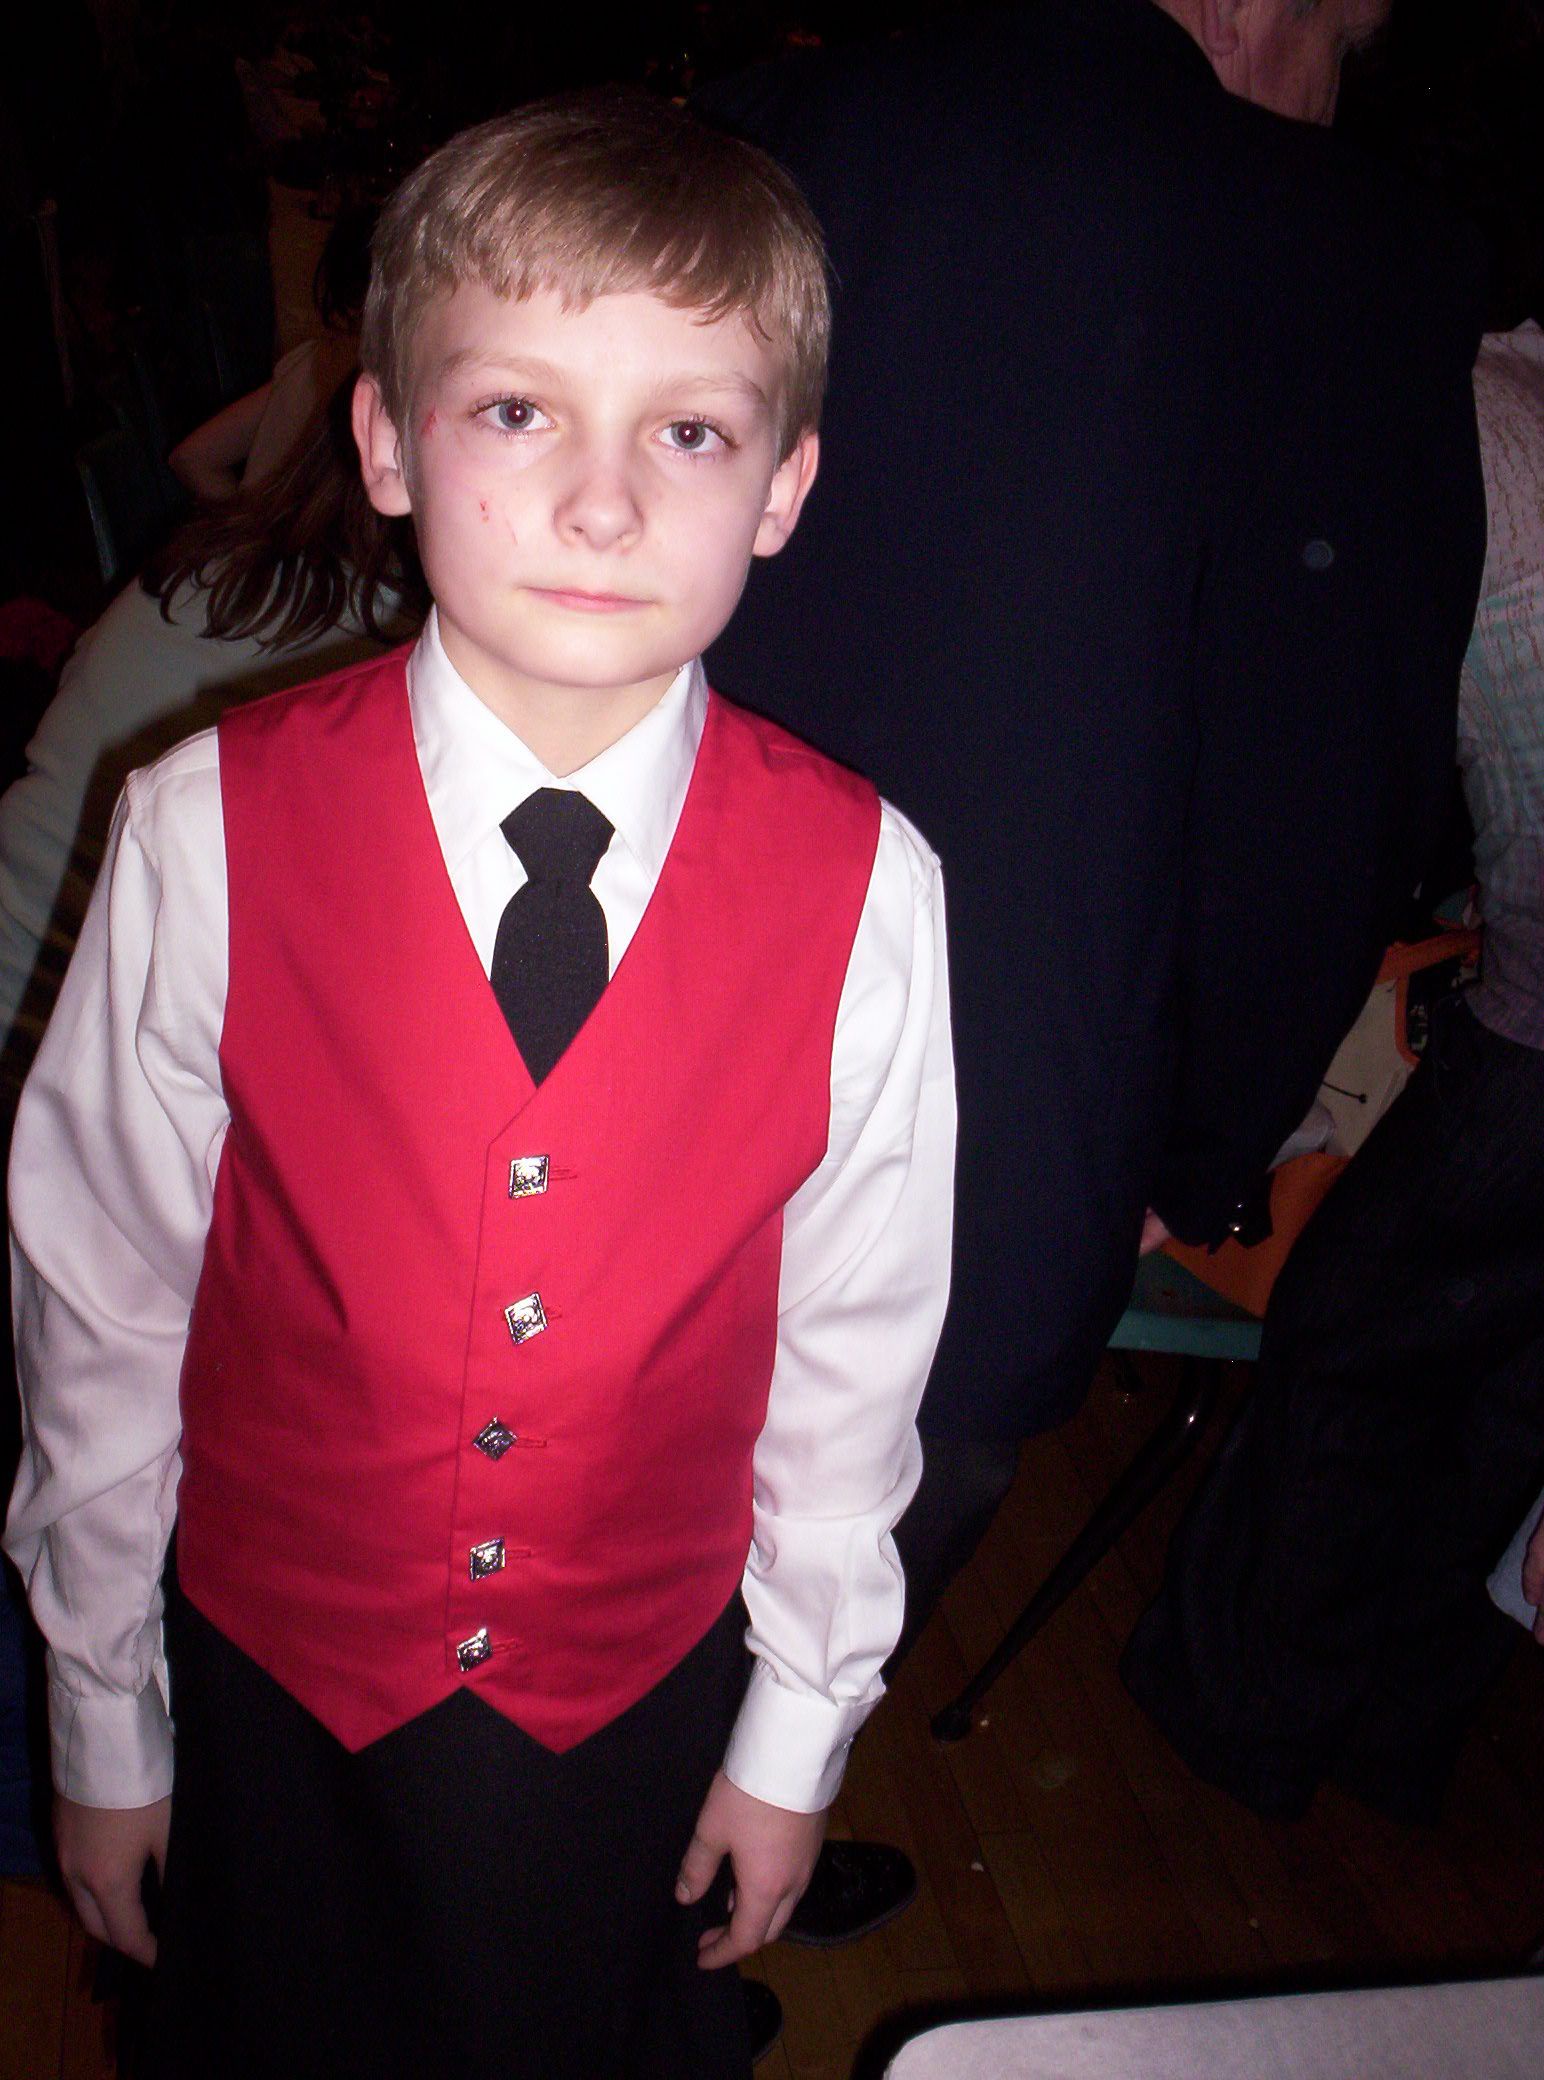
(454, 1902)
(1324, 1612)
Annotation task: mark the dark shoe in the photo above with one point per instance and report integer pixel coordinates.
(857, 1887)
(1404, 1796)
(763, 2017)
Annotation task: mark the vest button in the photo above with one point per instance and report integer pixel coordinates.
(474, 1650)
(494, 1439)
(527, 1176)
(526, 1318)
(487, 1558)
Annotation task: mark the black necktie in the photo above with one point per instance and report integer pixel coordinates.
(550, 958)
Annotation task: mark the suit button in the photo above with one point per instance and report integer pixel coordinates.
(487, 1558)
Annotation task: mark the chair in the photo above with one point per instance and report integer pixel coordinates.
(1171, 1311)
(130, 493)
(1207, 1306)
(124, 499)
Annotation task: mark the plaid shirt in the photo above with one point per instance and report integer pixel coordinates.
(1501, 700)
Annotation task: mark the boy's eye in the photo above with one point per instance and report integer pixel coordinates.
(693, 437)
(515, 415)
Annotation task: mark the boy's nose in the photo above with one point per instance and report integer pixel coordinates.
(598, 504)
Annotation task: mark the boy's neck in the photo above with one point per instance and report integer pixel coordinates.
(563, 726)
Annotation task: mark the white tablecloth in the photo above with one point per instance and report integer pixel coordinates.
(1490, 2029)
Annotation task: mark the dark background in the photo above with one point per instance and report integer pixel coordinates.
(136, 151)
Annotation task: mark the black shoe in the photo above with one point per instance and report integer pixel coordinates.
(1406, 1796)
(857, 1887)
(763, 2017)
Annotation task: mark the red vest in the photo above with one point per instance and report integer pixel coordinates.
(476, 1369)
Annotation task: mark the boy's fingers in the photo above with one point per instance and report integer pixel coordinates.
(84, 1903)
(120, 1920)
(722, 1947)
(748, 1930)
(698, 1867)
(128, 1928)
(134, 1939)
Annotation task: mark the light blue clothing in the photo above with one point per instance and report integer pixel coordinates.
(1506, 1584)
(135, 684)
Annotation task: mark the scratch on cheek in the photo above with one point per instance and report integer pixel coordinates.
(427, 429)
(482, 507)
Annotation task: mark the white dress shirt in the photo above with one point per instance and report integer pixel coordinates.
(113, 1166)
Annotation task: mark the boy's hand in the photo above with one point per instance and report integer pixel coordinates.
(772, 1852)
(103, 1851)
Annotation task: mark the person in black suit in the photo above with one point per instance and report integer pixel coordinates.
(1150, 534)
(1323, 1613)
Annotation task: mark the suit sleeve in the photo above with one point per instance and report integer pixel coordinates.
(1331, 617)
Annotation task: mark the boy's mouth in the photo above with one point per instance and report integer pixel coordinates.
(581, 602)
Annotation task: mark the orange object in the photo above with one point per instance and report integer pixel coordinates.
(1245, 1276)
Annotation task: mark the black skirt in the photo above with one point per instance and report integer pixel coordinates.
(454, 1900)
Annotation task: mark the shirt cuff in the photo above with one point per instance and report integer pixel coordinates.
(110, 1750)
(789, 1747)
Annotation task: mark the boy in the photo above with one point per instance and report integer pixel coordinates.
(500, 1364)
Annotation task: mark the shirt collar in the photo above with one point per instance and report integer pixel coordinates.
(475, 769)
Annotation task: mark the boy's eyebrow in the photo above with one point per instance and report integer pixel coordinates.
(507, 364)
(720, 381)
(531, 368)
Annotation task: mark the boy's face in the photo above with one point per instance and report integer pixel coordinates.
(588, 489)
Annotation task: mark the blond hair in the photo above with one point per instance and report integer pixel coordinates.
(593, 195)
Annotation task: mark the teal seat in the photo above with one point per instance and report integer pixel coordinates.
(1171, 1310)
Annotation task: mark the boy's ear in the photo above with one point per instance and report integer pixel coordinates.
(790, 487)
(380, 451)
(1221, 30)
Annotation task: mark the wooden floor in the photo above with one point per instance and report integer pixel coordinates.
(1066, 1856)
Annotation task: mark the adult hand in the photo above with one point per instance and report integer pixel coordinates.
(1154, 1234)
(1533, 1578)
(772, 1852)
(103, 1851)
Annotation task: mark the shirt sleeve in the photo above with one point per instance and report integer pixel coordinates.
(865, 1278)
(112, 1174)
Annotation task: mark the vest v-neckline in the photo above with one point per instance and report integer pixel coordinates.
(639, 947)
